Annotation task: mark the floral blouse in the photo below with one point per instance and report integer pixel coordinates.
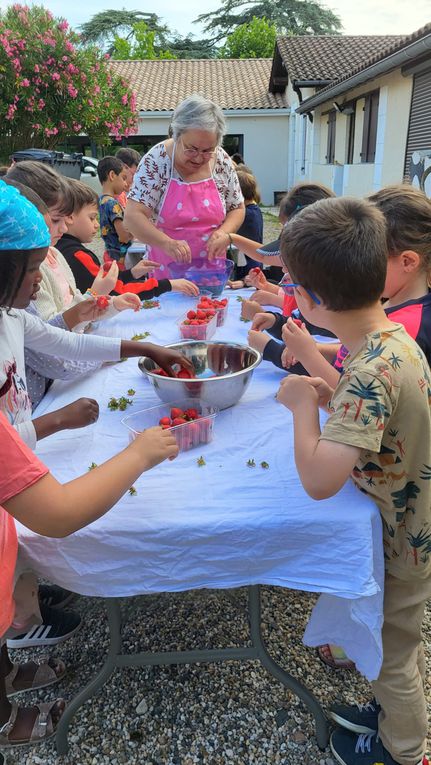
(154, 171)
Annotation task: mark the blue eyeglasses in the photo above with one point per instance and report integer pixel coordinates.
(289, 287)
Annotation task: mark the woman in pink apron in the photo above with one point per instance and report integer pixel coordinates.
(186, 199)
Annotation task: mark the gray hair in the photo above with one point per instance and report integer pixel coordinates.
(198, 113)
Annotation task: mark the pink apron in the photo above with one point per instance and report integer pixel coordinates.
(189, 211)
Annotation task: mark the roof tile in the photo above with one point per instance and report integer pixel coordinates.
(231, 83)
(326, 57)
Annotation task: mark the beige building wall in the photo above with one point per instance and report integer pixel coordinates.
(358, 178)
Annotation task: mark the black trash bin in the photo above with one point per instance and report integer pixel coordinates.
(66, 164)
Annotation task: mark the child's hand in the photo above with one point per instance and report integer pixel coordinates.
(104, 282)
(324, 391)
(257, 280)
(166, 357)
(86, 311)
(298, 340)
(263, 297)
(258, 340)
(263, 321)
(126, 300)
(80, 413)
(184, 286)
(143, 268)
(296, 390)
(155, 445)
(287, 359)
(248, 309)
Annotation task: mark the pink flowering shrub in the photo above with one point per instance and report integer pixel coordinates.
(50, 87)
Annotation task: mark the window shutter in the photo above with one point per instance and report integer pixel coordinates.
(419, 133)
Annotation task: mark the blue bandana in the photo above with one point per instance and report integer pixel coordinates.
(22, 227)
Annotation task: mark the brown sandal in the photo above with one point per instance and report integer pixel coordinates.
(326, 655)
(42, 730)
(46, 674)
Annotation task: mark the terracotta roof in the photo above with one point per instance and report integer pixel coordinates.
(386, 53)
(231, 83)
(326, 57)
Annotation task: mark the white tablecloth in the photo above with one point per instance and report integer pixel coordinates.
(221, 525)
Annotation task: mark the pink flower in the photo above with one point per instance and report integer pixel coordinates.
(55, 76)
(40, 104)
(96, 89)
(25, 83)
(36, 68)
(77, 127)
(68, 45)
(90, 102)
(72, 91)
(11, 111)
(124, 99)
(63, 25)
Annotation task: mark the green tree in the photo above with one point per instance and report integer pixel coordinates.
(105, 26)
(141, 46)
(297, 17)
(51, 88)
(253, 40)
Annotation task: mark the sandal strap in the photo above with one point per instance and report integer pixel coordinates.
(45, 673)
(43, 726)
(9, 679)
(7, 727)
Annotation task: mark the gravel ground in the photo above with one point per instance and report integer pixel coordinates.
(204, 714)
(208, 714)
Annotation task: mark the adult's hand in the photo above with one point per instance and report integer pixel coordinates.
(217, 244)
(178, 250)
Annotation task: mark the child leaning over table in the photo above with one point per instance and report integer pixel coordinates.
(84, 264)
(112, 175)
(379, 433)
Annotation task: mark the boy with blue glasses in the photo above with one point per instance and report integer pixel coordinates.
(379, 433)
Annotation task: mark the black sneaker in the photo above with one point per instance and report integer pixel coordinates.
(54, 596)
(57, 626)
(358, 718)
(365, 749)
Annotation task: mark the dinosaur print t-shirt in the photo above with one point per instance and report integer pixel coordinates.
(382, 405)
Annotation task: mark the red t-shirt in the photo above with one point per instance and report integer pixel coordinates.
(19, 469)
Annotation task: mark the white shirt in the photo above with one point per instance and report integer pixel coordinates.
(18, 329)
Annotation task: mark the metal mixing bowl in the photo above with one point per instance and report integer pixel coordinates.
(231, 364)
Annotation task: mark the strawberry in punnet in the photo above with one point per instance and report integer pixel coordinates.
(191, 314)
(191, 414)
(165, 421)
(176, 412)
(102, 302)
(178, 421)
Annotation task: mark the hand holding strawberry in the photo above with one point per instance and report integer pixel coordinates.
(153, 446)
(298, 340)
(127, 300)
(105, 282)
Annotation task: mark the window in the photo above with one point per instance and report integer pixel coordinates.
(351, 117)
(369, 135)
(330, 146)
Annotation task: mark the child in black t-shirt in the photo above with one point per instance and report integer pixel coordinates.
(85, 264)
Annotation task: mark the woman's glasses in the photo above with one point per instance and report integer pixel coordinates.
(192, 152)
(289, 288)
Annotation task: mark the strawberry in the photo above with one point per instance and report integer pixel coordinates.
(102, 302)
(191, 315)
(178, 421)
(107, 265)
(194, 322)
(184, 374)
(298, 322)
(165, 421)
(200, 314)
(191, 414)
(160, 372)
(175, 412)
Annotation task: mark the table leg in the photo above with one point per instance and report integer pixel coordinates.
(114, 621)
(321, 723)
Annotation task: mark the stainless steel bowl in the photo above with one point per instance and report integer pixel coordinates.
(231, 364)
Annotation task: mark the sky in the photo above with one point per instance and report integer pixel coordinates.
(359, 17)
